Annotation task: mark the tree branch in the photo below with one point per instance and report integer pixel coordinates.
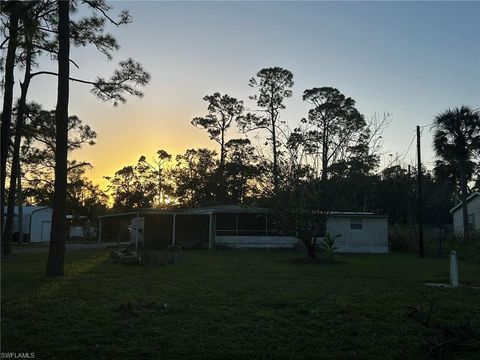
(79, 165)
(56, 53)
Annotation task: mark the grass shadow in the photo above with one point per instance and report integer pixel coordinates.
(321, 260)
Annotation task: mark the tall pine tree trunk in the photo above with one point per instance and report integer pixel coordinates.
(221, 171)
(7, 113)
(324, 158)
(20, 205)
(56, 253)
(222, 152)
(15, 171)
(275, 159)
(324, 187)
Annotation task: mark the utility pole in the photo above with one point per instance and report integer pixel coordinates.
(408, 196)
(419, 196)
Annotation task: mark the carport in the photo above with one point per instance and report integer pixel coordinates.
(207, 227)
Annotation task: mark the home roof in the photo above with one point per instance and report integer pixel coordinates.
(226, 209)
(356, 214)
(470, 197)
(27, 210)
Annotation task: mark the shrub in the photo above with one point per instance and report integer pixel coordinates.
(328, 245)
(466, 250)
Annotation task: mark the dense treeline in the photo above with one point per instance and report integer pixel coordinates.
(327, 161)
(333, 154)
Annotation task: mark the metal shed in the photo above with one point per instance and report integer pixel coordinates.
(360, 232)
(36, 223)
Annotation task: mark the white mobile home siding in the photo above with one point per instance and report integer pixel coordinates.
(473, 206)
(261, 242)
(371, 238)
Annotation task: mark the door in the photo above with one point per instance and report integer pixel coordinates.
(46, 226)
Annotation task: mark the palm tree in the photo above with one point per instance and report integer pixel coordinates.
(457, 142)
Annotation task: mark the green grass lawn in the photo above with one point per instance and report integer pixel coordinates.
(232, 305)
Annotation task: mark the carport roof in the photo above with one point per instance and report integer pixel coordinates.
(219, 209)
(231, 209)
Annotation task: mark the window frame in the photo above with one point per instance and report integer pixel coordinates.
(356, 223)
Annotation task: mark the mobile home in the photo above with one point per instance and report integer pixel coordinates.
(473, 212)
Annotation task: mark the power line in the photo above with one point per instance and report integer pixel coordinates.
(409, 146)
(421, 127)
(401, 158)
(450, 118)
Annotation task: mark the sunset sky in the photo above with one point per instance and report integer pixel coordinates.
(411, 59)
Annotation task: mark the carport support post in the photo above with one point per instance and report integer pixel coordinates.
(173, 231)
(137, 229)
(99, 231)
(236, 225)
(211, 233)
(266, 225)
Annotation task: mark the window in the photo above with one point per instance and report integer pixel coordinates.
(356, 224)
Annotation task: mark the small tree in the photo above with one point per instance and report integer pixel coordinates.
(159, 174)
(132, 188)
(194, 177)
(335, 126)
(242, 170)
(38, 151)
(223, 110)
(328, 244)
(84, 197)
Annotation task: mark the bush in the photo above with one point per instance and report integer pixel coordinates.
(328, 245)
(404, 238)
(467, 250)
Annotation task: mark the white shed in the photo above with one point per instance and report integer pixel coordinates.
(473, 210)
(36, 222)
(359, 232)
